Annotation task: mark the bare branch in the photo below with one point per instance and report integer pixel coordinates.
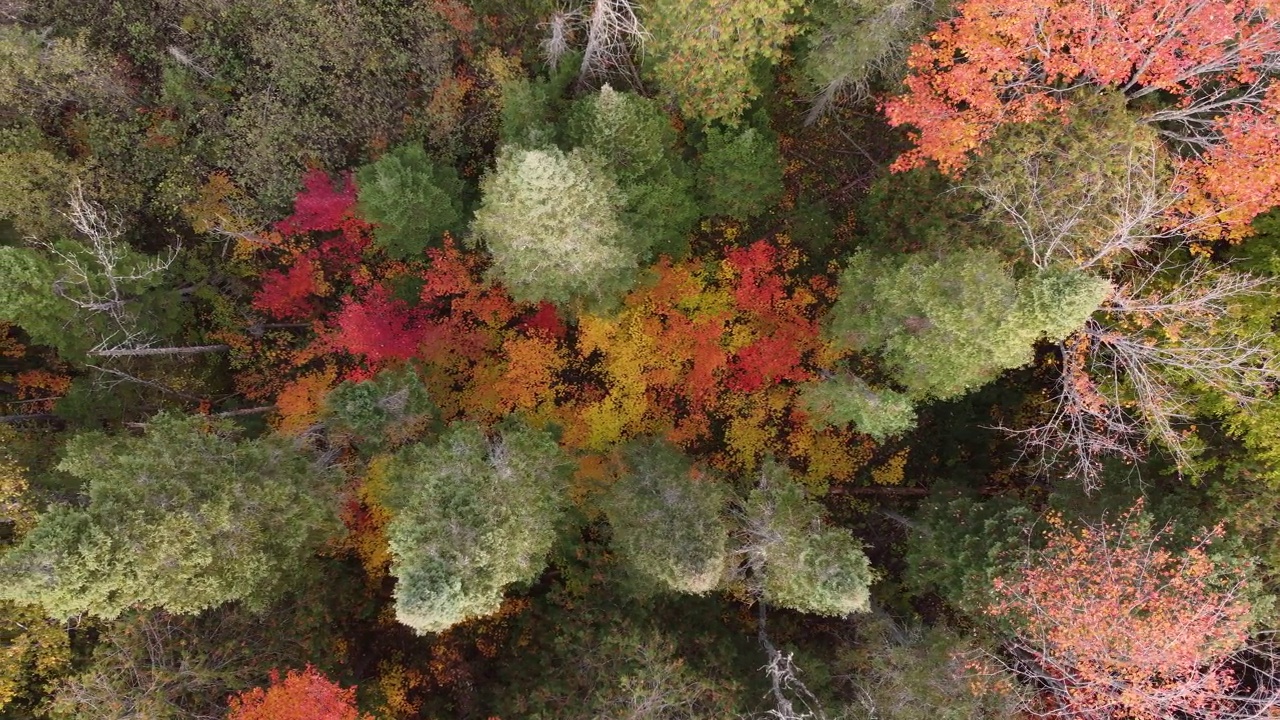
(614, 36)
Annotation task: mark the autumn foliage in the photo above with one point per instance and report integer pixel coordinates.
(306, 695)
(1112, 624)
(1006, 61)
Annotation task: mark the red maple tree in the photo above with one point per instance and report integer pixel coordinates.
(321, 206)
(1111, 624)
(305, 695)
(378, 327)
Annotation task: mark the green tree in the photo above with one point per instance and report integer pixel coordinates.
(946, 325)
(183, 518)
(845, 398)
(705, 50)
(799, 561)
(958, 546)
(552, 223)
(917, 672)
(411, 199)
(39, 74)
(387, 409)
(32, 182)
(739, 173)
(471, 516)
(858, 44)
(667, 522)
(35, 651)
(639, 146)
(27, 300)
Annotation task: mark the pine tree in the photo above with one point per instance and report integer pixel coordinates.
(947, 325)
(183, 518)
(552, 223)
(471, 516)
(667, 521)
(639, 146)
(411, 200)
(388, 408)
(800, 562)
(845, 399)
(739, 173)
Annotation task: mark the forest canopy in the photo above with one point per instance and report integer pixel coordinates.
(649, 359)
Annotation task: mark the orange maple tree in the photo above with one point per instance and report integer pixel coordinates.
(305, 695)
(1111, 624)
(1198, 69)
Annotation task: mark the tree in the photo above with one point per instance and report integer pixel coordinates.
(739, 173)
(410, 199)
(183, 517)
(958, 545)
(634, 137)
(306, 695)
(908, 671)
(386, 409)
(1170, 339)
(161, 666)
(471, 516)
(26, 278)
(845, 399)
(113, 291)
(39, 73)
(1086, 191)
(794, 559)
(857, 43)
(32, 178)
(952, 324)
(1109, 622)
(552, 224)
(666, 520)
(1092, 195)
(35, 651)
(704, 50)
(614, 33)
(995, 63)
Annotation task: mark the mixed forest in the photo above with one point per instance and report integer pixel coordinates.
(639, 359)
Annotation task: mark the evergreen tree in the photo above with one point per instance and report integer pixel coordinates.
(639, 146)
(183, 518)
(739, 173)
(947, 325)
(27, 300)
(960, 545)
(800, 562)
(704, 51)
(390, 407)
(845, 399)
(472, 516)
(666, 521)
(552, 223)
(411, 199)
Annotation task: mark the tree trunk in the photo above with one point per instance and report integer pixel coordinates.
(141, 352)
(28, 418)
(245, 411)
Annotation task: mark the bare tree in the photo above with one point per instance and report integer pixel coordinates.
(758, 533)
(560, 33)
(1134, 372)
(868, 48)
(1105, 222)
(614, 36)
(102, 276)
